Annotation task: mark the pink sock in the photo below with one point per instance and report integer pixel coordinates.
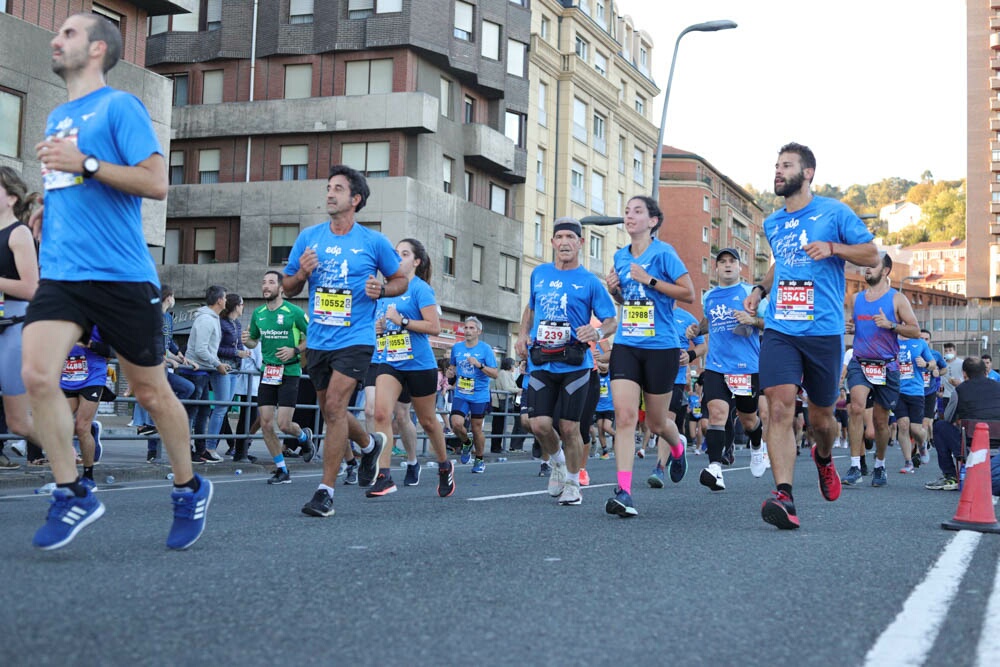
(677, 451)
(625, 481)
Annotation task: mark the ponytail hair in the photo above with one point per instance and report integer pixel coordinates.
(17, 188)
(423, 270)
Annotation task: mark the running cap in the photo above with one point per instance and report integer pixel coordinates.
(728, 251)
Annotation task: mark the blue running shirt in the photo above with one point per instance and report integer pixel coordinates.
(91, 231)
(604, 401)
(408, 350)
(682, 320)
(807, 296)
(728, 352)
(471, 383)
(343, 315)
(635, 327)
(911, 380)
(563, 300)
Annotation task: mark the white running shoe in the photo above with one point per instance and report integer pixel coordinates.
(757, 464)
(557, 479)
(570, 494)
(18, 447)
(712, 477)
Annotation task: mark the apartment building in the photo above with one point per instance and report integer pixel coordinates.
(706, 211)
(420, 95)
(982, 221)
(29, 89)
(590, 139)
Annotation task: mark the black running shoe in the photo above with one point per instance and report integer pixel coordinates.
(383, 486)
(308, 447)
(280, 476)
(320, 505)
(446, 479)
(368, 467)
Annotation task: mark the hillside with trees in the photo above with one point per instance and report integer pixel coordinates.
(942, 205)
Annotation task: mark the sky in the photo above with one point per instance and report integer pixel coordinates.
(876, 88)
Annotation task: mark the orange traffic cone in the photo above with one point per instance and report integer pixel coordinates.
(975, 507)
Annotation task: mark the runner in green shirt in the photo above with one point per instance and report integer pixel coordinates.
(280, 328)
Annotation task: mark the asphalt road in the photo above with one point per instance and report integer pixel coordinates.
(500, 574)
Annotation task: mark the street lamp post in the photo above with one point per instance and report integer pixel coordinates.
(707, 26)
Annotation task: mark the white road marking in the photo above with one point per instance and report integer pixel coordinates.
(906, 641)
(988, 650)
(533, 493)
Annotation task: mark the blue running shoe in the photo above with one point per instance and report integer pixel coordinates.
(479, 467)
(190, 511)
(655, 478)
(88, 484)
(95, 430)
(678, 467)
(466, 453)
(412, 474)
(68, 515)
(852, 477)
(621, 505)
(879, 477)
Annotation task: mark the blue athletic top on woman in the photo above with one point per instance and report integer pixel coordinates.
(660, 261)
(870, 340)
(471, 383)
(345, 262)
(911, 380)
(567, 297)
(419, 356)
(728, 352)
(91, 231)
(824, 220)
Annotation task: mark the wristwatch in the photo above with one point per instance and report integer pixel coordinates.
(652, 282)
(90, 166)
(404, 322)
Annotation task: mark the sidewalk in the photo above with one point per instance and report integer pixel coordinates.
(125, 460)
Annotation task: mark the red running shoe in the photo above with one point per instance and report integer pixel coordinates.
(779, 511)
(829, 480)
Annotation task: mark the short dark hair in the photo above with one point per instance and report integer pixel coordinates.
(103, 30)
(949, 346)
(507, 364)
(925, 331)
(213, 294)
(652, 208)
(986, 357)
(166, 291)
(279, 274)
(804, 152)
(887, 261)
(974, 368)
(359, 184)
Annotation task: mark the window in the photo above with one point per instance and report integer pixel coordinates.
(515, 57)
(491, 40)
(449, 256)
(118, 19)
(468, 186)
(282, 240)
(621, 203)
(540, 171)
(186, 22)
(360, 9)
(449, 168)
(704, 265)
(643, 59)
(622, 141)
(208, 165)
(172, 246)
(638, 157)
(11, 108)
(585, 6)
(704, 234)
(996, 156)
(294, 163)
(204, 246)
(498, 199)
(640, 105)
(601, 63)
(300, 11)
(508, 273)
(477, 263)
(706, 204)
(543, 95)
(180, 82)
(368, 77)
(389, 6)
(463, 20)
(599, 11)
(470, 109)
(621, 90)
(579, 119)
(582, 48)
(446, 102)
(298, 81)
(371, 159)
(515, 127)
(211, 86)
(597, 253)
(576, 192)
(597, 192)
(176, 167)
(213, 17)
(539, 224)
(544, 28)
(158, 24)
(600, 142)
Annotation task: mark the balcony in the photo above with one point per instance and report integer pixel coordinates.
(994, 102)
(994, 83)
(161, 7)
(994, 207)
(414, 113)
(487, 148)
(994, 124)
(995, 40)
